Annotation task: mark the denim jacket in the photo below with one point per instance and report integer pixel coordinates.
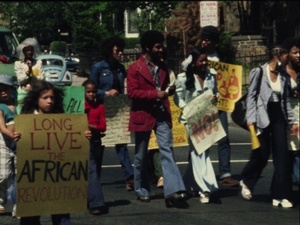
(102, 74)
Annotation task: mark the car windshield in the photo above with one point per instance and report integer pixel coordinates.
(52, 62)
(8, 44)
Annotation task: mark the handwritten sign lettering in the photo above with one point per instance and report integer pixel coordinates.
(117, 109)
(204, 124)
(52, 164)
(73, 99)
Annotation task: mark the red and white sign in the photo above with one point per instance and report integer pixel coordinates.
(209, 13)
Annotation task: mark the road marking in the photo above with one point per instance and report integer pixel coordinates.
(185, 163)
(132, 145)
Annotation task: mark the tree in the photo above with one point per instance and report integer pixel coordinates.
(183, 27)
(89, 22)
(86, 23)
(28, 19)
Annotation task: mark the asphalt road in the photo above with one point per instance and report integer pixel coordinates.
(227, 207)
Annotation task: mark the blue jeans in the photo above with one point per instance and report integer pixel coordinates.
(172, 178)
(125, 161)
(95, 193)
(224, 148)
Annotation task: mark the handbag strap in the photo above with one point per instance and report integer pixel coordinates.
(259, 82)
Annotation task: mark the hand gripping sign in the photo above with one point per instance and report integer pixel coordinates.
(204, 124)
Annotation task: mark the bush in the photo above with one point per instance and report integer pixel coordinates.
(58, 47)
(131, 42)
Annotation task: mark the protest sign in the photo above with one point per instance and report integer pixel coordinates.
(203, 121)
(52, 166)
(178, 130)
(229, 81)
(73, 99)
(117, 110)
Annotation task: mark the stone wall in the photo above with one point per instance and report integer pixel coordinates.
(250, 48)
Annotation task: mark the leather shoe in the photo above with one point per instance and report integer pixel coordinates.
(229, 182)
(144, 198)
(177, 200)
(178, 197)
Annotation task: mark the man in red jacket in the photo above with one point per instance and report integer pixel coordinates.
(147, 83)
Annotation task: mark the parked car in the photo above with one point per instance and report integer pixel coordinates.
(55, 70)
(8, 51)
(72, 63)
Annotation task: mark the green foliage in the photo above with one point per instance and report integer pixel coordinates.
(89, 36)
(87, 23)
(154, 13)
(58, 47)
(162, 9)
(28, 19)
(225, 48)
(131, 42)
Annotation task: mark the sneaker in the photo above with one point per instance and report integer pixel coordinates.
(2, 209)
(160, 182)
(204, 197)
(229, 182)
(129, 185)
(14, 212)
(246, 193)
(284, 203)
(99, 211)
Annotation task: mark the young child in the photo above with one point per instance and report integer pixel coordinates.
(8, 136)
(97, 124)
(41, 99)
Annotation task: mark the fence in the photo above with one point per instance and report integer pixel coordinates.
(248, 61)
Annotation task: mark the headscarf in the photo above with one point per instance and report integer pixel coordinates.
(28, 42)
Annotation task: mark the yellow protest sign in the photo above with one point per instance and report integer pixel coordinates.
(52, 168)
(229, 81)
(178, 130)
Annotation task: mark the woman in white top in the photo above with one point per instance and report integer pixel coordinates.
(28, 68)
(199, 175)
(272, 115)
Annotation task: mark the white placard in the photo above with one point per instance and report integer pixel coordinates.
(209, 13)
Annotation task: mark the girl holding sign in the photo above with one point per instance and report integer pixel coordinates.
(199, 176)
(44, 98)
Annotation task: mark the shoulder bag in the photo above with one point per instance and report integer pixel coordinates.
(238, 114)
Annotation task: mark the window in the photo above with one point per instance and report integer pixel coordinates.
(132, 21)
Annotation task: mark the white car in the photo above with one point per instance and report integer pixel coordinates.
(55, 70)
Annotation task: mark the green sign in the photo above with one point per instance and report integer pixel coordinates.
(73, 100)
